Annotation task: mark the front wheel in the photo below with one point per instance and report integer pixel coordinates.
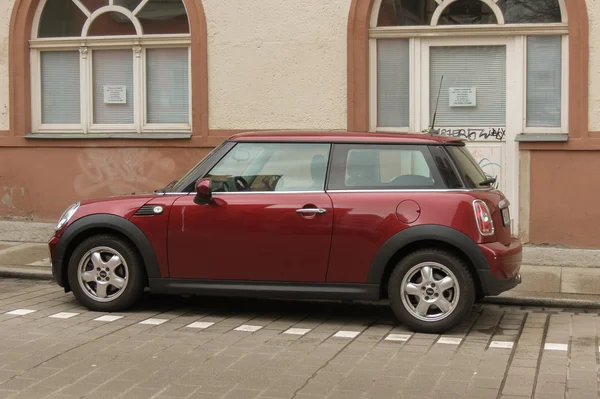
(106, 274)
(431, 291)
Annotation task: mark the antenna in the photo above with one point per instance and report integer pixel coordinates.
(432, 130)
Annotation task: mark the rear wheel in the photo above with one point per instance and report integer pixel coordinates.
(106, 274)
(431, 291)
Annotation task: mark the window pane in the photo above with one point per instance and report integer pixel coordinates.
(544, 79)
(272, 167)
(167, 83)
(60, 87)
(467, 12)
(393, 76)
(128, 4)
(163, 17)
(469, 169)
(61, 18)
(92, 5)
(112, 24)
(406, 12)
(530, 11)
(379, 167)
(391, 168)
(113, 86)
(478, 71)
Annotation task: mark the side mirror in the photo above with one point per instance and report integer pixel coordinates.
(203, 192)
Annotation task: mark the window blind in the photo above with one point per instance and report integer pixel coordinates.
(393, 77)
(544, 78)
(482, 68)
(60, 87)
(113, 70)
(167, 85)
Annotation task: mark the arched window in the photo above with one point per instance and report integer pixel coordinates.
(522, 47)
(110, 66)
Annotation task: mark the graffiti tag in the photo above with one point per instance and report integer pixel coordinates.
(472, 134)
(120, 171)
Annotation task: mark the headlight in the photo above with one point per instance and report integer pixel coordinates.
(67, 214)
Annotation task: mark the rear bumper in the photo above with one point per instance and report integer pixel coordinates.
(504, 265)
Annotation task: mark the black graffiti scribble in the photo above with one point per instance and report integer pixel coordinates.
(469, 134)
(497, 133)
(472, 134)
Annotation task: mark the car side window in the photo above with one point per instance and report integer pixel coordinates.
(373, 166)
(264, 167)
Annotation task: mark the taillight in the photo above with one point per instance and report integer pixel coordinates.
(483, 217)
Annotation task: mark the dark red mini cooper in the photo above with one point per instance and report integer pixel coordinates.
(339, 216)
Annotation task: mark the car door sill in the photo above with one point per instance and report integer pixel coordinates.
(265, 289)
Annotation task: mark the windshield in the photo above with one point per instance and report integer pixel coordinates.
(182, 183)
(467, 166)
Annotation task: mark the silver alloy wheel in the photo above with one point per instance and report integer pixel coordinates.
(103, 274)
(430, 291)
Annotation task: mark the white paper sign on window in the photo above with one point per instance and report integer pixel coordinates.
(463, 96)
(115, 94)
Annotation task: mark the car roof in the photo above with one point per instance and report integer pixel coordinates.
(337, 136)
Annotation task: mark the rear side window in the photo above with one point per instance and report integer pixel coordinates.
(467, 167)
(392, 167)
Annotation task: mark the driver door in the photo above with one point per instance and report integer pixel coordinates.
(270, 219)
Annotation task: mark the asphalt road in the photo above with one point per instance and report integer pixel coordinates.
(171, 347)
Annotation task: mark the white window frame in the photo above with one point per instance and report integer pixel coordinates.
(86, 45)
(414, 35)
(564, 108)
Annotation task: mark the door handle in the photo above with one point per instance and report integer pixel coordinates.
(311, 211)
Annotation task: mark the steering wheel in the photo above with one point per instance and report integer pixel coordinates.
(225, 186)
(241, 184)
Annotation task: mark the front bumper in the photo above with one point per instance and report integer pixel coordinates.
(56, 264)
(504, 265)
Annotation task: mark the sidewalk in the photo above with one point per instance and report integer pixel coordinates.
(551, 276)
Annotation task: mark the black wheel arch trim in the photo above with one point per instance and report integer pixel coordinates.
(415, 234)
(109, 222)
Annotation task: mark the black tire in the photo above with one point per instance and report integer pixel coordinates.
(135, 275)
(461, 307)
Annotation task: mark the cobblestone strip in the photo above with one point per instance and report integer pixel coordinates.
(551, 364)
(582, 372)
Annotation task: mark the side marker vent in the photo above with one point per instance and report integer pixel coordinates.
(148, 210)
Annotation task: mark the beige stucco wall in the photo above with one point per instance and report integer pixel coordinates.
(277, 64)
(5, 12)
(593, 7)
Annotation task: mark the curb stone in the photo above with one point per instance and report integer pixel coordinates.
(22, 273)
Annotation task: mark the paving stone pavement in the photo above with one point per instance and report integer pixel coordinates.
(172, 347)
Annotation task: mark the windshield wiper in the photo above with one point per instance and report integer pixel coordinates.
(165, 188)
(488, 182)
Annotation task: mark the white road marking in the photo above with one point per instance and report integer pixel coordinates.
(449, 341)
(108, 318)
(21, 312)
(556, 347)
(502, 344)
(200, 324)
(346, 334)
(248, 328)
(397, 337)
(153, 322)
(63, 315)
(297, 331)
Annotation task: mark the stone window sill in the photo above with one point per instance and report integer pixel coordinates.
(542, 137)
(96, 136)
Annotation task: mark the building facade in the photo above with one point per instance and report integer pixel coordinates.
(105, 97)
